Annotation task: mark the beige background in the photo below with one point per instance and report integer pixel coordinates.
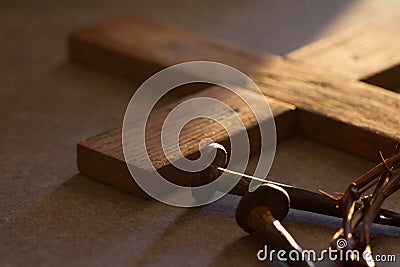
(52, 216)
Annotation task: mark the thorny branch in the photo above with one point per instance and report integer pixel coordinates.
(361, 210)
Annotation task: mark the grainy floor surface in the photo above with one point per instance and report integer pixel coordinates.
(52, 216)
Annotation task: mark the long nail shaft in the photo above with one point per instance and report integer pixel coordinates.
(302, 199)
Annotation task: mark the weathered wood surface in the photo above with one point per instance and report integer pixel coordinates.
(330, 108)
(370, 53)
(365, 111)
(102, 157)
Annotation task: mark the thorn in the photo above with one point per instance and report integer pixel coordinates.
(384, 161)
(339, 194)
(328, 195)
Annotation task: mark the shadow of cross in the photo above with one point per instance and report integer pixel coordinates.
(315, 92)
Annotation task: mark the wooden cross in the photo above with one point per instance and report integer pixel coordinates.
(341, 91)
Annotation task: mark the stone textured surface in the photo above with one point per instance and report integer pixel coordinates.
(52, 216)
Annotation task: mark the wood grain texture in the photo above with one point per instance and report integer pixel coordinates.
(101, 157)
(333, 109)
(364, 109)
(361, 53)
